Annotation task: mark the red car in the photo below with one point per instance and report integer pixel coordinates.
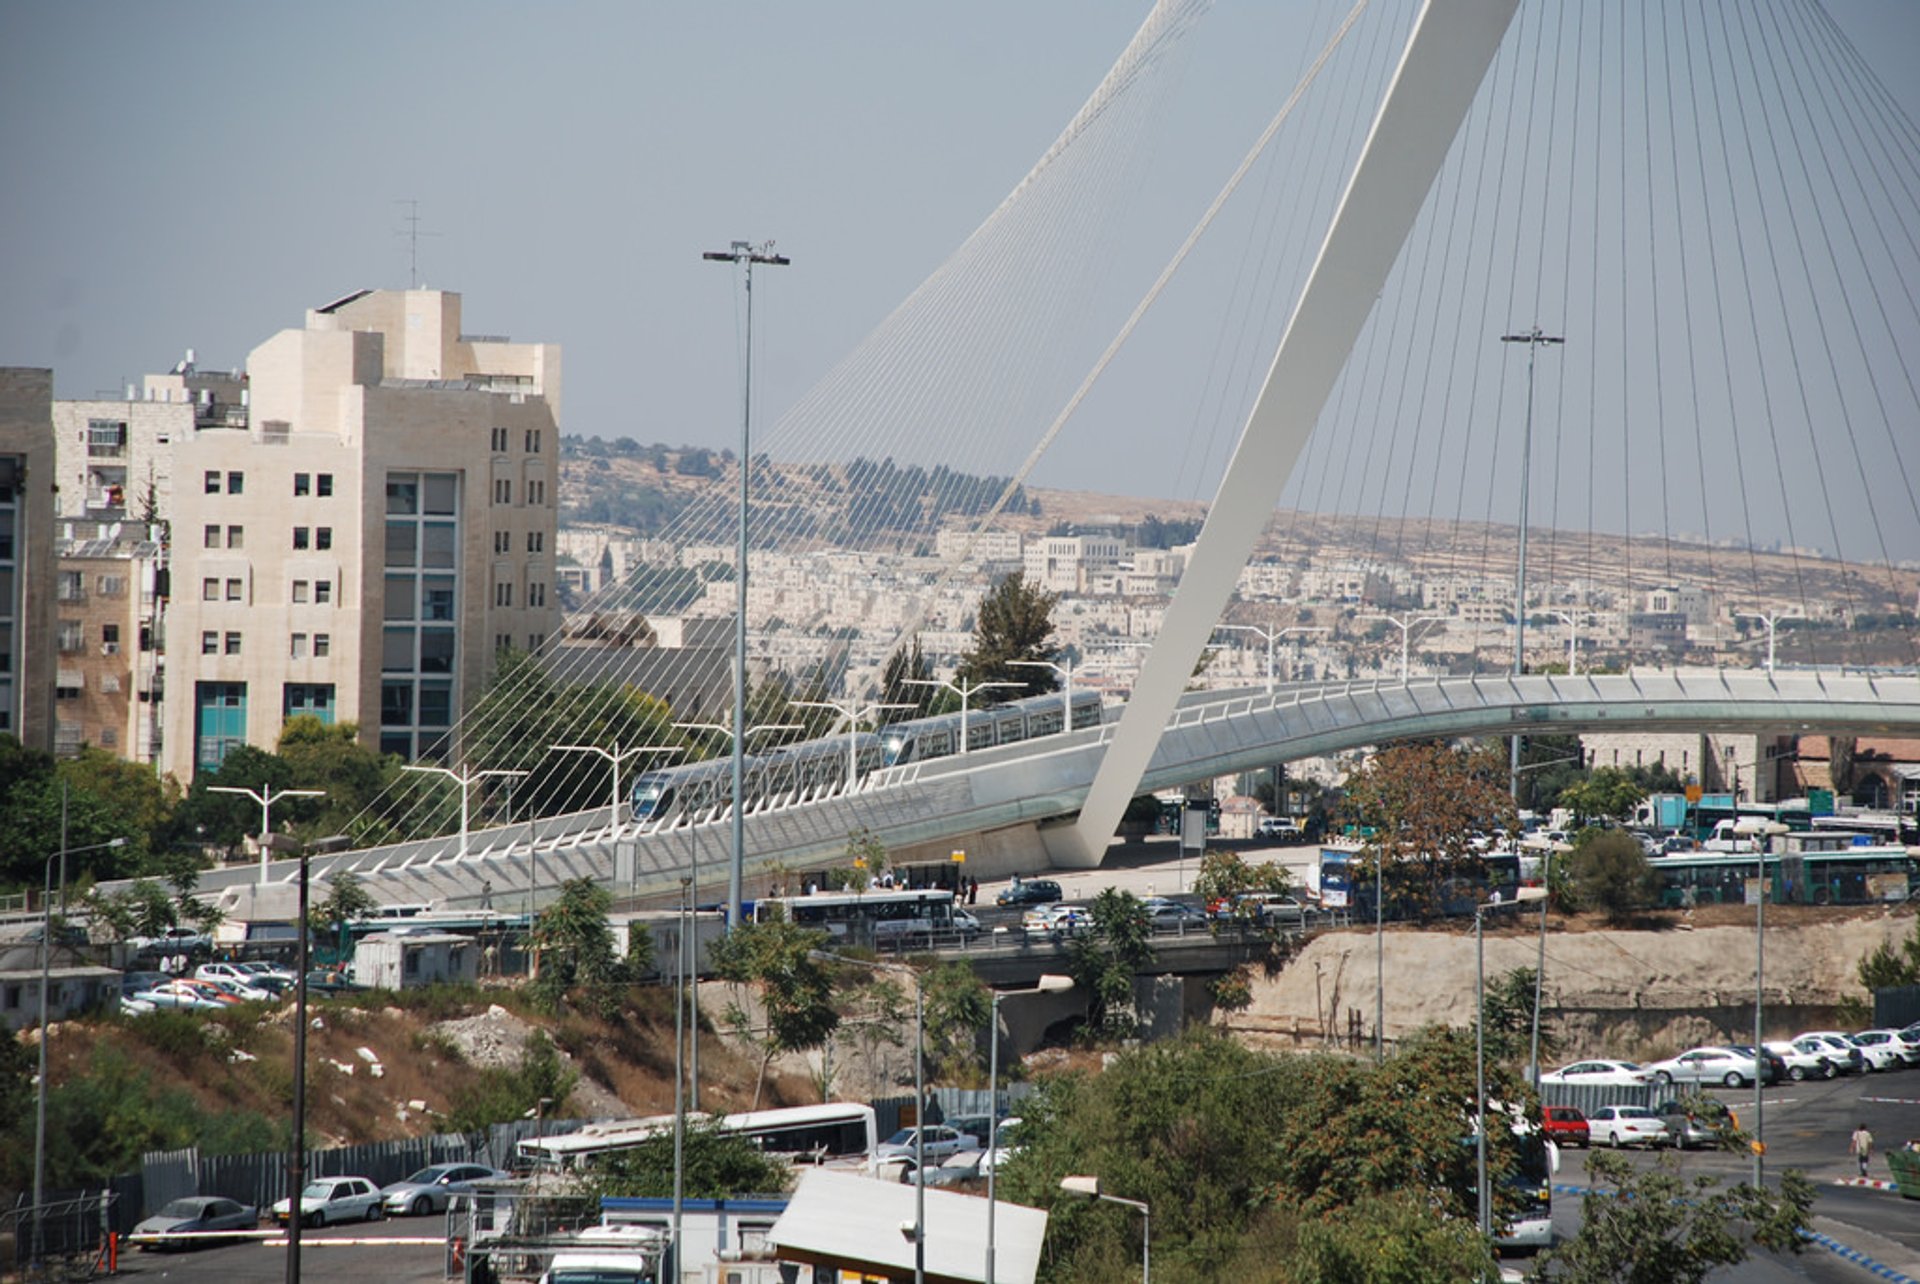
(1565, 1126)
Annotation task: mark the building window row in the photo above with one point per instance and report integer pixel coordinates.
(320, 592)
(319, 485)
(236, 482)
(319, 645)
(214, 536)
(213, 642)
(318, 537)
(533, 441)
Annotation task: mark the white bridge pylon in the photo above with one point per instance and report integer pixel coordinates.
(1440, 71)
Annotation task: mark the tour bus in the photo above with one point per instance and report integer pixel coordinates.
(851, 917)
(839, 1134)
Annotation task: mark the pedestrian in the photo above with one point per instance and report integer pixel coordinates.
(1861, 1145)
(486, 894)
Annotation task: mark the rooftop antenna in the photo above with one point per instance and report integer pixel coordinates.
(413, 235)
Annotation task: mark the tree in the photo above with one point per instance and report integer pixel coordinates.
(958, 1007)
(539, 1086)
(575, 947)
(1606, 793)
(1610, 873)
(906, 668)
(1388, 1239)
(1225, 875)
(1660, 1227)
(1104, 960)
(1419, 807)
(714, 1165)
(346, 900)
(779, 961)
(1014, 622)
(1509, 1007)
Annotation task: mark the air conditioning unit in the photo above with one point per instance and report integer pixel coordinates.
(109, 648)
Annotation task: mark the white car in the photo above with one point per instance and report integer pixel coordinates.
(941, 1143)
(1618, 1126)
(1704, 1065)
(1607, 1074)
(1056, 921)
(1841, 1050)
(1882, 1049)
(1806, 1059)
(327, 1200)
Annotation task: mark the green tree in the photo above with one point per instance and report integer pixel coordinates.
(958, 1007)
(780, 963)
(575, 946)
(539, 1086)
(715, 1165)
(906, 668)
(346, 900)
(1660, 1227)
(1607, 793)
(1509, 1007)
(1389, 1239)
(1116, 947)
(1419, 807)
(1609, 872)
(1224, 875)
(143, 908)
(1014, 622)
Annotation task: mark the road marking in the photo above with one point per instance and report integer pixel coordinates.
(1866, 1183)
(1894, 1101)
(1855, 1256)
(405, 1241)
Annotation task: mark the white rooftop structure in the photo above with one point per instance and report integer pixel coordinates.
(848, 1220)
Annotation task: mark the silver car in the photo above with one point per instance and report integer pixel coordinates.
(431, 1189)
(195, 1220)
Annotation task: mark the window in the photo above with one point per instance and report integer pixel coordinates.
(323, 485)
(302, 484)
(73, 587)
(322, 645)
(213, 481)
(500, 440)
(503, 641)
(536, 492)
(314, 699)
(533, 441)
(236, 536)
(68, 686)
(236, 482)
(503, 541)
(298, 649)
(503, 595)
(535, 641)
(300, 590)
(113, 586)
(72, 636)
(536, 541)
(210, 537)
(236, 590)
(302, 537)
(536, 595)
(403, 494)
(502, 490)
(233, 644)
(323, 591)
(106, 438)
(323, 537)
(210, 643)
(210, 589)
(109, 639)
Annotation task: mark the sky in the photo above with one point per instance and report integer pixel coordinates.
(197, 175)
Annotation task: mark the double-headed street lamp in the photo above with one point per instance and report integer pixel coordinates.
(1406, 634)
(1573, 636)
(1089, 1188)
(1762, 833)
(1048, 983)
(465, 781)
(266, 797)
(1521, 897)
(853, 711)
(616, 756)
(1274, 635)
(46, 973)
(1066, 685)
(1772, 621)
(965, 691)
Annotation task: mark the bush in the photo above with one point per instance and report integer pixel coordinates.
(1610, 873)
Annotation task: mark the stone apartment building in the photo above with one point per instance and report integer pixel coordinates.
(109, 685)
(362, 542)
(27, 658)
(114, 459)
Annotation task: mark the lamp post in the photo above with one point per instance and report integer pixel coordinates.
(1573, 636)
(679, 1076)
(1406, 634)
(1771, 622)
(1521, 897)
(1066, 688)
(465, 781)
(1089, 1188)
(616, 756)
(266, 797)
(853, 711)
(1533, 338)
(1762, 832)
(1540, 966)
(1274, 635)
(965, 691)
(46, 975)
(297, 1163)
(746, 255)
(1048, 983)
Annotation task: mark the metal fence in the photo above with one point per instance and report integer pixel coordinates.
(894, 1113)
(1589, 1097)
(71, 1226)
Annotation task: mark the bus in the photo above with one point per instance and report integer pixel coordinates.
(1346, 883)
(851, 917)
(1843, 875)
(838, 1134)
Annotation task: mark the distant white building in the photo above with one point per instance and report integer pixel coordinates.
(392, 961)
(978, 546)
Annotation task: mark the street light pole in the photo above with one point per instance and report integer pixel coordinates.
(1066, 693)
(297, 1167)
(1762, 833)
(743, 253)
(465, 781)
(1048, 983)
(1406, 635)
(1771, 621)
(1540, 965)
(1274, 635)
(616, 756)
(46, 976)
(965, 691)
(853, 711)
(1573, 637)
(266, 797)
(1521, 897)
(1533, 338)
(1089, 1188)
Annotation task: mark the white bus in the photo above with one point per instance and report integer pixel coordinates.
(852, 917)
(839, 1134)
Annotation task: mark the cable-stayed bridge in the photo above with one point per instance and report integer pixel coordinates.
(1717, 215)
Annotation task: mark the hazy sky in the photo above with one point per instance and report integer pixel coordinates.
(196, 175)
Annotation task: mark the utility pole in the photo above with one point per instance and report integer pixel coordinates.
(742, 252)
(1533, 339)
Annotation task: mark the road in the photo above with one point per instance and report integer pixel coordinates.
(329, 1255)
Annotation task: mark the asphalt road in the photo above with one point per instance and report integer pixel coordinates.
(329, 1255)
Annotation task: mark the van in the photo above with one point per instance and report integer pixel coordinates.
(1284, 828)
(598, 1266)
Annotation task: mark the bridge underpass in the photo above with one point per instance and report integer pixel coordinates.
(1001, 805)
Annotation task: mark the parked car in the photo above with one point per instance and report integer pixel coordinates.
(175, 940)
(1056, 921)
(1881, 1049)
(942, 1141)
(903, 933)
(190, 995)
(1174, 916)
(326, 1200)
(1706, 1065)
(183, 1222)
(962, 1166)
(1032, 891)
(1804, 1059)
(1846, 1057)
(1696, 1121)
(331, 981)
(965, 923)
(1264, 907)
(1606, 1074)
(431, 1189)
(242, 991)
(1626, 1126)
(1776, 1067)
(1565, 1126)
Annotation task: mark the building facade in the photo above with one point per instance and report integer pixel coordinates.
(27, 658)
(110, 625)
(363, 543)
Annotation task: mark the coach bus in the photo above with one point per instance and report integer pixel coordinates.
(851, 917)
(838, 1134)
